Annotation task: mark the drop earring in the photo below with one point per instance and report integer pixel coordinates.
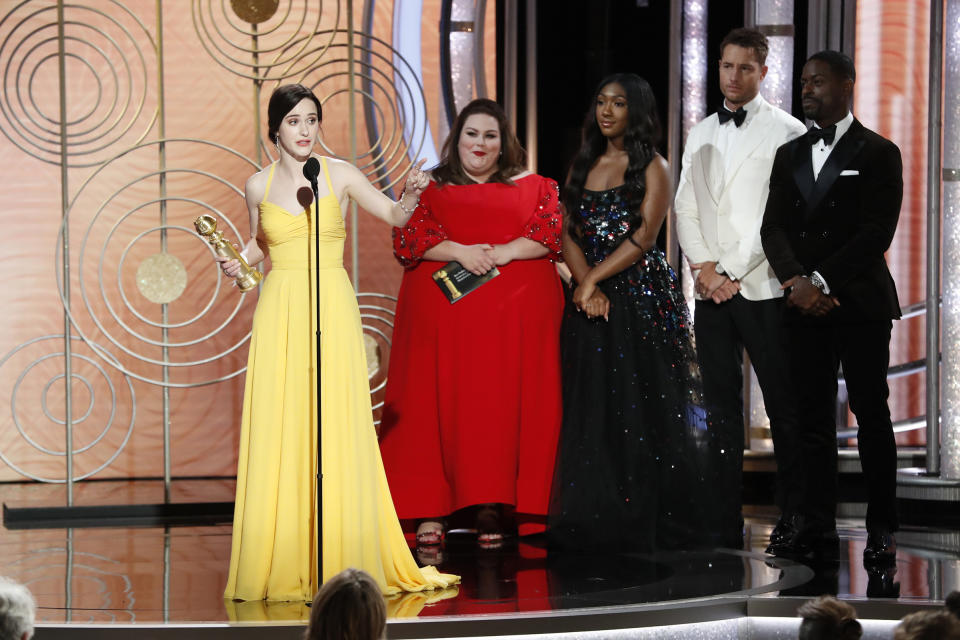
(276, 143)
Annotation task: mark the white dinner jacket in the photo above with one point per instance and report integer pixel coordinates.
(719, 211)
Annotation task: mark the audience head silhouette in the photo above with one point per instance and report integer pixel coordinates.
(826, 618)
(937, 624)
(349, 606)
(17, 611)
(952, 603)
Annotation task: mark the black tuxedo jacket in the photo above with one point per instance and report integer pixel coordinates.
(839, 225)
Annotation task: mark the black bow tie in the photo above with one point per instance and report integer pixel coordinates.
(827, 134)
(738, 116)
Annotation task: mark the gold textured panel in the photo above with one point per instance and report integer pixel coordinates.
(161, 278)
(373, 354)
(254, 11)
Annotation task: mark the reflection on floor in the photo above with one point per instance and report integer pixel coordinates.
(178, 574)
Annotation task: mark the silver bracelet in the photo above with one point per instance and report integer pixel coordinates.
(403, 208)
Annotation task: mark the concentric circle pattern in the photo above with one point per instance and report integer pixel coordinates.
(144, 282)
(260, 39)
(102, 424)
(108, 56)
(99, 589)
(394, 110)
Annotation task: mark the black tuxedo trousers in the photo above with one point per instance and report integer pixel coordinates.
(817, 351)
(722, 332)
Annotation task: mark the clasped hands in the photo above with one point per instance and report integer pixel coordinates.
(588, 299)
(804, 296)
(480, 258)
(715, 286)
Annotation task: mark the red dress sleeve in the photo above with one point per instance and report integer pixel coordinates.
(421, 233)
(545, 224)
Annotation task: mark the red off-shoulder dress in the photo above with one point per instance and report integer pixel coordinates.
(472, 408)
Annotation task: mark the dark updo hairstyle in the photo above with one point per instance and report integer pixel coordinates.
(349, 606)
(640, 141)
(512, 159)
(283, 99)
(826, 618)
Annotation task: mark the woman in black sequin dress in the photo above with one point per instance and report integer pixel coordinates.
(634, 465)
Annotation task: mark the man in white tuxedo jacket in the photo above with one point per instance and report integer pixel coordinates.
(719, 205)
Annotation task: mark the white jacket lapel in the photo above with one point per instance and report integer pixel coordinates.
(755, 137)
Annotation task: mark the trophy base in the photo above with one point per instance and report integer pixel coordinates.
(249, 280)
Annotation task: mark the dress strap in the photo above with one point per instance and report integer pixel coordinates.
(326, 174)
(266, 192)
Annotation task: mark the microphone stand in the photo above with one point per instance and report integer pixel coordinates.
(311, 171)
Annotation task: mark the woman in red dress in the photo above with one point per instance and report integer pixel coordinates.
(472, 410)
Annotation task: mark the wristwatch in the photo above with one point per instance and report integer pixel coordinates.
(818, 282)
(719, 270)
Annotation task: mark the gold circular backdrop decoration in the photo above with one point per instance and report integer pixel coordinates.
(161, 278)
(254, 11)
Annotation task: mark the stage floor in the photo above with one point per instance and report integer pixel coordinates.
(177, 574)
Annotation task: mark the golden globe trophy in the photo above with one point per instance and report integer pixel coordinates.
(207, 227)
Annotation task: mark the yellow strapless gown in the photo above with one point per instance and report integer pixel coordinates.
(274, 524)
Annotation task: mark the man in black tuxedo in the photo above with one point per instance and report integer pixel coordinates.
(834, 201)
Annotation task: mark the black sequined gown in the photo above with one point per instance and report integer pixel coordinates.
(635, 461)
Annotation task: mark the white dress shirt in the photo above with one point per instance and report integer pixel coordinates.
(821, 151)
(729, 135)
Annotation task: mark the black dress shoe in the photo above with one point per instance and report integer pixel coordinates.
(781, 530)
(881, 549)
(785, 530)
(881, 581)
(807, 540)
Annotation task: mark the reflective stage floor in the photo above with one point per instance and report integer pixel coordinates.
(144, 575)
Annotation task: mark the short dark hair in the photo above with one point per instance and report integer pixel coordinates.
(840, 63)
(512, 157)
(748, 39)
(826, 617)
(283, 99)
(349, 606)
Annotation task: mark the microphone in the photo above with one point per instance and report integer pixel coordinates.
(311, 169)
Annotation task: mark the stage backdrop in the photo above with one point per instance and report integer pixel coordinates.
(120, 123)
(892, 55)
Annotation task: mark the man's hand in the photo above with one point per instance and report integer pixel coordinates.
(807, 298)
(725, 291)
(712, 285)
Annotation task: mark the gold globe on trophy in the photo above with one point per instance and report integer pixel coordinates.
(206, 226)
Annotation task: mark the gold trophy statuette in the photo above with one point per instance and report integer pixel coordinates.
(207, 227)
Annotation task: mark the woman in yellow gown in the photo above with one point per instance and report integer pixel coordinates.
(273, 556)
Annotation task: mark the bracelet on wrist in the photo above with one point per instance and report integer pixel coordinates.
(403, 208)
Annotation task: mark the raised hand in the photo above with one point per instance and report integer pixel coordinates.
(417, 180)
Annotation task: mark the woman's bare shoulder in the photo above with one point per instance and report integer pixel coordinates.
(257, 184)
